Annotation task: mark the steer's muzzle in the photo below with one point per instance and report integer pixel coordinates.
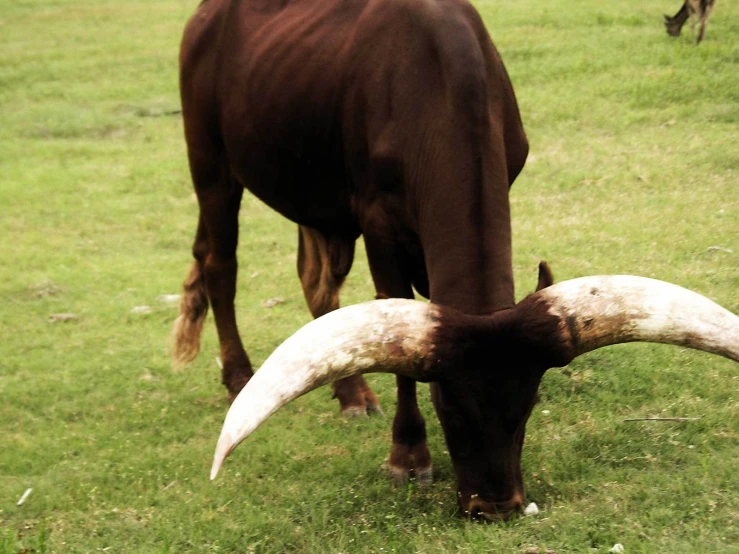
(475, 507)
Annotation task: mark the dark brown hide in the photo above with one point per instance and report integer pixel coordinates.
(394, 119)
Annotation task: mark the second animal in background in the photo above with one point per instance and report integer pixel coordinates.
(697, 10)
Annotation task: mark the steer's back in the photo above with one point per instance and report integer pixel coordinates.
(276, 87)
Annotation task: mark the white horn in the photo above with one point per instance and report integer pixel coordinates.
(612, 309)
(393, 335)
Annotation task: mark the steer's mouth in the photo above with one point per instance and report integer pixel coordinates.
(475, 507)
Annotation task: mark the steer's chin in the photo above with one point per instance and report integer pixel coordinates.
(475, 507)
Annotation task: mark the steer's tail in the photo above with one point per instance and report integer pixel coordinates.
(188, 326)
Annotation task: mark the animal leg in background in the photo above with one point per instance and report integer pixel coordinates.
(694, 8)
(323, 264)
(214, 274)
(409, 453)
(707, 7)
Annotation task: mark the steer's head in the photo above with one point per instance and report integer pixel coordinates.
(483, 413)
(484, 423)
(485, 396)
(485, 370)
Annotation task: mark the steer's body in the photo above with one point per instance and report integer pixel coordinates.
(394, 119)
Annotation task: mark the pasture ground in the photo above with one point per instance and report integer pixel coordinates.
(633, 169)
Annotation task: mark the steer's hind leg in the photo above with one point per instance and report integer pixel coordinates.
(323, 264)
(214, 272)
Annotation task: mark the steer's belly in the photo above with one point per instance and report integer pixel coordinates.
(308, 188)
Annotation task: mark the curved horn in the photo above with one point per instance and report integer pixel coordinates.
(612, 309)
(393, 336)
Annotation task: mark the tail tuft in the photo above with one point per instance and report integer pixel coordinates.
(185, 338)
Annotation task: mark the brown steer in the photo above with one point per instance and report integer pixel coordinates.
(396, 120)
(695, 9)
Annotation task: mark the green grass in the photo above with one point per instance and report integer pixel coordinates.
(633, 169)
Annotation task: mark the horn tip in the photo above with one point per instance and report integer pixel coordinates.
(215, 468)
(223, 449)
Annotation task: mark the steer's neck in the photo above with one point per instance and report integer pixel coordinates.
(465, 229)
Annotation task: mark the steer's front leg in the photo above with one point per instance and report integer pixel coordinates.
(409, 454)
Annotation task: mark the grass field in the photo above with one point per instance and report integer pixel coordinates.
(634, 168)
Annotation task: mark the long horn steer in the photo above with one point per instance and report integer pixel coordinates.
(399, 336)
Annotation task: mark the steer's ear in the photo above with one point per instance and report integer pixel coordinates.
(546, 278)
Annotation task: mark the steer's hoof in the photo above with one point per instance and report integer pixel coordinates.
(424, 476)
(401, 476)
(354, 411)
(355, 397)
(235, 384)
(362, 411)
